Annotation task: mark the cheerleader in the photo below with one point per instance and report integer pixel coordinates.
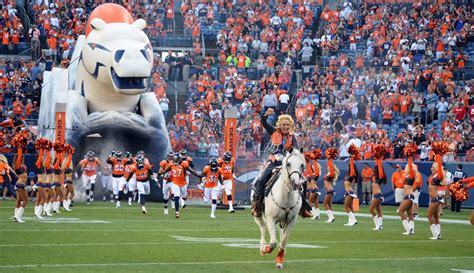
(40, 186)
(470, 184)
(312, 174)
(435, 180)
(58, 181)
(329, 180)
(349, 181)
(49, 184)
(406, 206)
(380, 178)
(68, 177)
(5, 170)
(19, 141)
(417, 190)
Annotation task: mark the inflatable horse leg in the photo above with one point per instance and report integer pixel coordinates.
(76, 115)
(151, 111)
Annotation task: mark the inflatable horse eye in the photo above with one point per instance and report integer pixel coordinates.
(98, 24)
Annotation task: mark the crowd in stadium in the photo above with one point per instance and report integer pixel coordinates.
(366, 75)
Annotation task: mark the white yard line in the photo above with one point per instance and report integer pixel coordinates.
(239, 262)
(227, 240)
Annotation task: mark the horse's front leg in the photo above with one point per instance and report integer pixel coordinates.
(284, 234)
(272, 230)
(261, 225)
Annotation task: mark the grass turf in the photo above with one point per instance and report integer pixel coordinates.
(101, 238)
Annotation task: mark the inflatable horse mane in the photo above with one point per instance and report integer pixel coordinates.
(108, 104)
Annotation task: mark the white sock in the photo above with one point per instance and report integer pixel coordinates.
(213, 208)
(230, 205)
(16, 212)
(438, 229)
(406, 225)
(352, 217)
(21, 210)
(66, 204)
(412, 225)
(316, 212)
(433, 229)
(330, 215)
(130, 200)
(313, 211)
(40, 210)
(380, 221)
(376, 221)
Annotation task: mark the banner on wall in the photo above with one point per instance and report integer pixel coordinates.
(60, 131)
(247, 169)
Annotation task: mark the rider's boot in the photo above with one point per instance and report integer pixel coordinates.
(259, 188)
(305, 210)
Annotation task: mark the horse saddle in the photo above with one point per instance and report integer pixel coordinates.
(273, 178)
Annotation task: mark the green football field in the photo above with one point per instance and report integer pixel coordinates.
(101, 238)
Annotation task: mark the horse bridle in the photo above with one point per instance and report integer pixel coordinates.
(300, 175)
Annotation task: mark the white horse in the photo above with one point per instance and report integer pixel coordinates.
(282, 205)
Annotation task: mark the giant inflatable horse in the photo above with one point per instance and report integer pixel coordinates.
(282, 205)
(110, 99)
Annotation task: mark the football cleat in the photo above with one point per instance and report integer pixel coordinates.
(144, 210)
(176, 215)
(165, 211)
(213, 216)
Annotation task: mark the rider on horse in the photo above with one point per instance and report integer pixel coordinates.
(282, 141)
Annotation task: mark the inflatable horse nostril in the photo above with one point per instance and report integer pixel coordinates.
(119, 55)
(145, 54)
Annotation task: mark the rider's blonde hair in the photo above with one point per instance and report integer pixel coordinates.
(287, 118)
(3, 159)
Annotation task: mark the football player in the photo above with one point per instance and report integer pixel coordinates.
(226, 163)
(178, 171)
(119, 184)
(183, 154)
(132, 182)
(167, 182)
(213, 175)
(143, 174)
(89, 166)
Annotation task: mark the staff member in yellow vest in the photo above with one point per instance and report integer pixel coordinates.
(282, 140)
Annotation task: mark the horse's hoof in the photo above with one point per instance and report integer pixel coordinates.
(279, 266)
(268, 249)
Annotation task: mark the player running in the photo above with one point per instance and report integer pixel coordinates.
(213, 175)
(132, 182)
(119, 184)
(178, 171)
(89, 166)
(183, 155)
(227, 165)
(167, 182)
(143, 175)
(106, 181)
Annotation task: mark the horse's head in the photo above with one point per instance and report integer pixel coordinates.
(294, 163)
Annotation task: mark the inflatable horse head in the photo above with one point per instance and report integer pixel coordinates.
(117, 56)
